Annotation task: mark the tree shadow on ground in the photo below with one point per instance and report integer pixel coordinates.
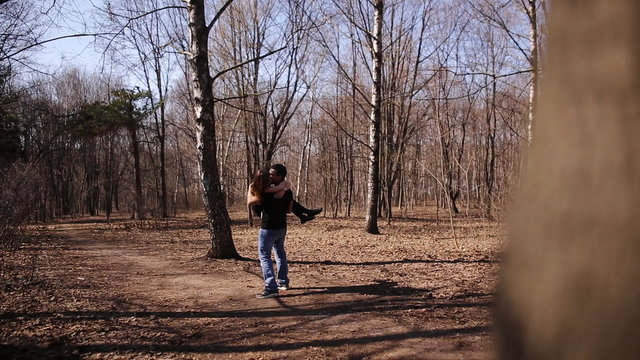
(387, 296)
(386, 262)
(383, 297)
(395, 262)
(380, 287)
(74, 351)
(176, 223)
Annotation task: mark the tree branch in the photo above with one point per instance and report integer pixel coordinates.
(218, 14)
(130, 19)
(246, 62)
(38, 43)
(344, 131)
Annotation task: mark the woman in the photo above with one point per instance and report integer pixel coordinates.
(261, 184)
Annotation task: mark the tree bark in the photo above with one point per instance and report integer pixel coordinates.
(135, 149)
(373, 176)
(490, 148)
(306, 148)
(222, 246)
(533, 88)
(161, 129)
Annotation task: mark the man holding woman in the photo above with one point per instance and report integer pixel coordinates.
(273, 226)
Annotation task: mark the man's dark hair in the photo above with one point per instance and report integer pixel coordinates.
(280, 169)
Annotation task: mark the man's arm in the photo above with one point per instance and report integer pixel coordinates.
(283, 186)
(280, 189)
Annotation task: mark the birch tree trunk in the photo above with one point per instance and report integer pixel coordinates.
(222, 246)
(306, 148)
(373, 176)
(533, 88)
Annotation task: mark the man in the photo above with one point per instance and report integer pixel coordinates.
(273, 230)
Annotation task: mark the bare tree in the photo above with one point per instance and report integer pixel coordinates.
(535, 11)
(23, 29)
(373, 183)
(403, 78)
(272, 89)
(201, 82)
(303, 165)
(531, 9)
(365, 21)
(149, 38)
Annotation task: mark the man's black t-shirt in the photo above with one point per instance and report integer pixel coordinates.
(274, 211)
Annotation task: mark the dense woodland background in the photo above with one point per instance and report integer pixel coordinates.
(292, 80)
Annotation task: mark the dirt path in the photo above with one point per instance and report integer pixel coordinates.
(132, 290)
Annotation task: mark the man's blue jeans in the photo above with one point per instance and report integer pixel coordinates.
(273, 239)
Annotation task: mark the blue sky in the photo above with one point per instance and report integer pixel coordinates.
(74, 51)
(77, 51)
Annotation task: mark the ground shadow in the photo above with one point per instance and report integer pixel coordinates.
(380, 287)
(222, 347)
(165, 224)
(381, 296)
(386, 262)
(395, 262)
(387, 297)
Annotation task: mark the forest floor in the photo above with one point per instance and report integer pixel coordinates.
(91, 289)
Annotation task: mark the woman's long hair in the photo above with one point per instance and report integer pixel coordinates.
(260, 182)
